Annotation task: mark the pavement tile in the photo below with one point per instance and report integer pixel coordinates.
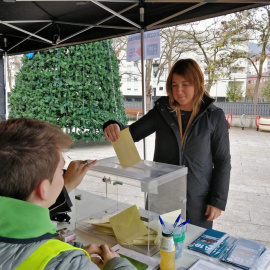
(236, 181)
(232, 215)
(248, 205)
(237, 195)
(263, 182)
(247, 188)
(258, 198)
(260, 218)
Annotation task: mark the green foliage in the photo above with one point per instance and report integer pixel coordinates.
(266, 90)
(234, 91)
(76, 88)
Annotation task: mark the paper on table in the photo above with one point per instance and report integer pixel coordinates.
(127, 225)
(171, 216)
(152, 263)
(126, 150)
(205, 265)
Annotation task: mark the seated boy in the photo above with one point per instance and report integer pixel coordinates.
(31, 178)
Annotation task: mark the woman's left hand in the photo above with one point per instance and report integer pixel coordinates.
(212, 212)
(76, 171)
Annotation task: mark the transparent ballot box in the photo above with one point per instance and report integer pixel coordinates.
(121, 204)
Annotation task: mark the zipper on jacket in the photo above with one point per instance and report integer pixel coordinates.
(196, 120)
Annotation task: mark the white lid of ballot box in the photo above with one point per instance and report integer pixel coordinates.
(147, 175)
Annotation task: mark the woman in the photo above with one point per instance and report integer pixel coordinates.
(190, 131)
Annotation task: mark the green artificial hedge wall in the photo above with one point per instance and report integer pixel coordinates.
(76, 88)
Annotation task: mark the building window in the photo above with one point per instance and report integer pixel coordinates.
(135, 84)
(161, 88)
(129, 83)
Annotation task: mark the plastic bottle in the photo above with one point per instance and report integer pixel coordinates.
(167, 251)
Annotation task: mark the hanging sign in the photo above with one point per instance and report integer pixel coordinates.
(151, 46)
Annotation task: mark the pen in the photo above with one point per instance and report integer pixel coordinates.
(184, 223)
(177, 220)
(97, 256)
(161, 221)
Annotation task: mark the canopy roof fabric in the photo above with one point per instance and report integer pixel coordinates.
(27, 26)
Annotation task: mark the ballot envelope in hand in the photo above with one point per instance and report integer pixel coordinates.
(127, 225)
(126, 150)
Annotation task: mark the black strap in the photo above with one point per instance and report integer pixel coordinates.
(61, 206)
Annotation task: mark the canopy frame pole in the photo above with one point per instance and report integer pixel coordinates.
(3, 95)
(142, 69)
(100, 22)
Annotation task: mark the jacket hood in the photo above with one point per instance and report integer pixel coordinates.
(18, 216)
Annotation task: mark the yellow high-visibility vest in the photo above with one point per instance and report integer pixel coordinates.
(44, 253)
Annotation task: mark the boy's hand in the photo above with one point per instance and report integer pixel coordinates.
(108, 253)
(93, 249)
(76, 171)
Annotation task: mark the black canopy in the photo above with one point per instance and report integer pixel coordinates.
(27, 26)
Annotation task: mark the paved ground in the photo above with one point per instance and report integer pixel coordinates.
(248, 209)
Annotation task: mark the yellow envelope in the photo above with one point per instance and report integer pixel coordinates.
(126, 150)
(102, 222)
(127, 225)
(104, 230)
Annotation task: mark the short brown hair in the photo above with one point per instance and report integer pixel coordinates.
(190, 70)
(29, 153)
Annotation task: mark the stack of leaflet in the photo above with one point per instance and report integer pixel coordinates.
(244, 253)
(241, 253)
(210, 242)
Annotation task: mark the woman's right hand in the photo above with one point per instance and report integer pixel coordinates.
(112, 132)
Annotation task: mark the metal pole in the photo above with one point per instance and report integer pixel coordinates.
(143, 75)
(5, 83)
(216, 91)
(2, 89)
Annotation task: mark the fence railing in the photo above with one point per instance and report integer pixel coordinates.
(237, 108)
(240, 108)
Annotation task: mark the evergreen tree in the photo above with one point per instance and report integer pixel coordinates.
(234, 91)
(266, 90)
(76, 88)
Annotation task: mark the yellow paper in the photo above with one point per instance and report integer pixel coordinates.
(127, 225)
(103, 230)
(126, 150)
(102, 222)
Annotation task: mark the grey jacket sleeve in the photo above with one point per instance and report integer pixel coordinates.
(77, 260)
